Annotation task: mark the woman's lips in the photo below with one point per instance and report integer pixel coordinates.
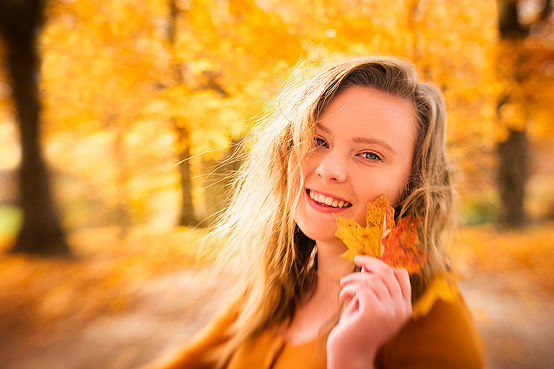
(323, 201)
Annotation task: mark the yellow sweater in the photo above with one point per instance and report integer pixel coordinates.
(444, 338)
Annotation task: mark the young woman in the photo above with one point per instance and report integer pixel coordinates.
(335, 141)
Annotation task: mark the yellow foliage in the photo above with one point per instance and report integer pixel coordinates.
(360, 240)
(110, 66)
(516, 255)
(102, 59)
(11, 154)
(366, 240)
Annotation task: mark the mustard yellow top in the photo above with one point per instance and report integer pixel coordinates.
(444, 338)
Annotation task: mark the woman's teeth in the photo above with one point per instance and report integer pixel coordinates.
(329, 201)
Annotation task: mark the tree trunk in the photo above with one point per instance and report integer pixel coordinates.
(512, 153)
(512, 176)
(41, 232)
(123, 205)
(186, 215)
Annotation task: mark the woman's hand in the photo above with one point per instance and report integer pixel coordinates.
(378, 304)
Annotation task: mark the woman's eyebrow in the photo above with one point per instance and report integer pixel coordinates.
(364, 140)
(322, 127)
(373, 141)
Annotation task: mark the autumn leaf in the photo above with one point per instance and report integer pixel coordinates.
(379, 213)
(441, 287)
(366, 240)
(401, 246)
(359, 240)
(396, 245)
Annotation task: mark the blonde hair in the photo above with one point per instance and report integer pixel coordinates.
(258, 232)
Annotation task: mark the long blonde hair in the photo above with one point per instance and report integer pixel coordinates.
(257, 231)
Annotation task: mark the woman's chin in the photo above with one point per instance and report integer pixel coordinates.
(325, 235)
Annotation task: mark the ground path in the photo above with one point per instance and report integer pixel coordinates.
(515, 321)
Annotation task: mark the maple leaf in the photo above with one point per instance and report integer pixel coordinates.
(381, 238)
(366, 240)
(379, 212)
(359, 240)
(401, 246)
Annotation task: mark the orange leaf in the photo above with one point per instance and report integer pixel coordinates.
(401, 247)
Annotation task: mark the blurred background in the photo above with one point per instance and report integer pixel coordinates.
(117, 118)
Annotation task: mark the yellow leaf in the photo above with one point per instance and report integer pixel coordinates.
(380, 213)
(442, 287)
(358, 239)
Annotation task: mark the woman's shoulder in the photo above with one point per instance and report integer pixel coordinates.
(445, 337)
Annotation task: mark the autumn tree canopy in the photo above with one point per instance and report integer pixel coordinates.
(138, 96)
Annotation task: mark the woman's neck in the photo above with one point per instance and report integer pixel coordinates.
(315, 313)
(330, 266)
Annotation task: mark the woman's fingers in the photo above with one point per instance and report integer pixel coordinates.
(353, 295)
(370, 281)
(396, 280)
(368, 301)
(351, 305)
(368, 262)
(347, 293)
(372, 284)
(404, 282)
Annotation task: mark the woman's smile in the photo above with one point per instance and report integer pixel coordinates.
(327, 201)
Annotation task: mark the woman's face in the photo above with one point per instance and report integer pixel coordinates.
(363, 148)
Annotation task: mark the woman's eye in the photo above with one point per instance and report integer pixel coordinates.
(371, 156)
(318, 141)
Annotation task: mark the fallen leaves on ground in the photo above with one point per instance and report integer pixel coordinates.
(38, 293)
(516, 255)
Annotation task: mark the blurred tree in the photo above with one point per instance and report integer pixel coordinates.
(180, 125)
(221, 55)
(102, 64)
(41, 232)
(515, 68)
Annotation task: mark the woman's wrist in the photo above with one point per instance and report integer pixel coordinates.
(343, 358)
(334, 362)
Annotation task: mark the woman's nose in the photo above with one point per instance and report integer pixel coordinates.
(332, 168)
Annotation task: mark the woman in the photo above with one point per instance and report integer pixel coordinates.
(335, 141)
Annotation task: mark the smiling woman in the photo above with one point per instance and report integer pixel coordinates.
(336, 140)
